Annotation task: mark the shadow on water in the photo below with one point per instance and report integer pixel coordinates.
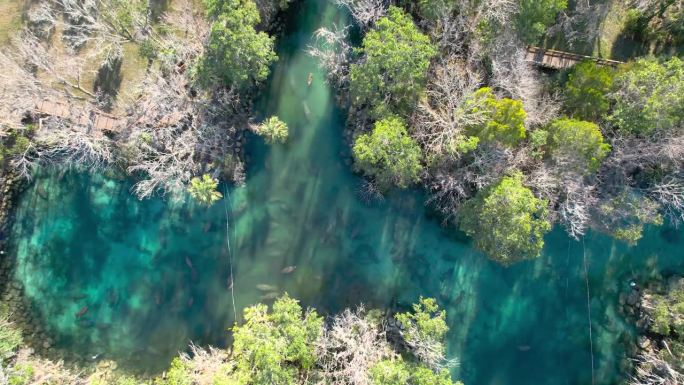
(154, 275)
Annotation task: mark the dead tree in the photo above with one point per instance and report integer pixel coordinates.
(365, 12)
(332, 49)
(449, 108)
(350, 346)
(654, 370)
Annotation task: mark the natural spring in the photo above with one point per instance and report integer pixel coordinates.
(154, 274)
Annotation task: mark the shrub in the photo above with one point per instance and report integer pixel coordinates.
(236, 53)
(389, 154)
(273, 130)
(506, 221)
(586, 92)
(649, 96)
(578, 142)
(203, 190)
(392, 75)
(505, 121)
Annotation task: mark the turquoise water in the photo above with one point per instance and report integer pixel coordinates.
(154, 275)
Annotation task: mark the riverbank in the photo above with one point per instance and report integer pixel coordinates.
(11, 290)
(657, 311)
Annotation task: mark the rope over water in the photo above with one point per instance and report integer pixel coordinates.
(226, 203)
(591, 341)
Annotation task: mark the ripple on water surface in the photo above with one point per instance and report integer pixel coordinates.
(137, 280)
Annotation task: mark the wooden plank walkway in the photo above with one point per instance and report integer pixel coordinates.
(97, 122)
(557, 60)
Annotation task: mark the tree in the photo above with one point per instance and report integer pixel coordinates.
(433, 9)
(424, 330)
(534, 16)
(506, 221)
(587, 89)
(505, 118)
(625, 215)
(273, 130)
(269, 347)
(203, 190)
(391, 76)
(10, 337)
(575, 141)
(389, 154)
(399, 372)
(236, 53)
(649, 96)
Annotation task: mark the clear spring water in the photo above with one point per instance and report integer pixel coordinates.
(154, 275)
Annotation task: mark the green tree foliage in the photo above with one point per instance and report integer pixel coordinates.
(399, 372)
(625, 216)
(505, 118)
(389, 154)
(273, 130)
(586, 92)
(392, 75)
(576, 140)
(649, 96)
(203, 190)
(506, 221)
(534, 16)
(269, 348)
(236, 53)
(15, 143)
(10, 337)
(433, 9)
(659, 21)
(425, 323)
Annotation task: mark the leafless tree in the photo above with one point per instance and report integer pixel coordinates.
(669, 192)
(46, 371)
(350, 346)
(455, 181)
(98, 22)
(448, 109)
(331, 47)
(365, 12)
(207, 364)
(516, 77)
(580, 24)
(654, 370)
(369, 192)
(174, 129)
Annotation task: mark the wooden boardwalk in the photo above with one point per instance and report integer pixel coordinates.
(557, 60)
(94, 122)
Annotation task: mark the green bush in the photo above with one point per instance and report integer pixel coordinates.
(626, 214)
(273, 130)
(389, 154)
(506, 221)
(649, 96)
(586, 92)
(578, 141)
(10, 337)
(399, 372)
(505, 118)
(535, 16)
(269, 347)
(425, 323)
(236, 53)
(392, 75)
(204, 190)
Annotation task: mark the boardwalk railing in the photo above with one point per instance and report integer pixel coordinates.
(549, 58)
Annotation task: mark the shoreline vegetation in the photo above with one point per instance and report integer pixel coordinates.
(439, 95)
(283, 344)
